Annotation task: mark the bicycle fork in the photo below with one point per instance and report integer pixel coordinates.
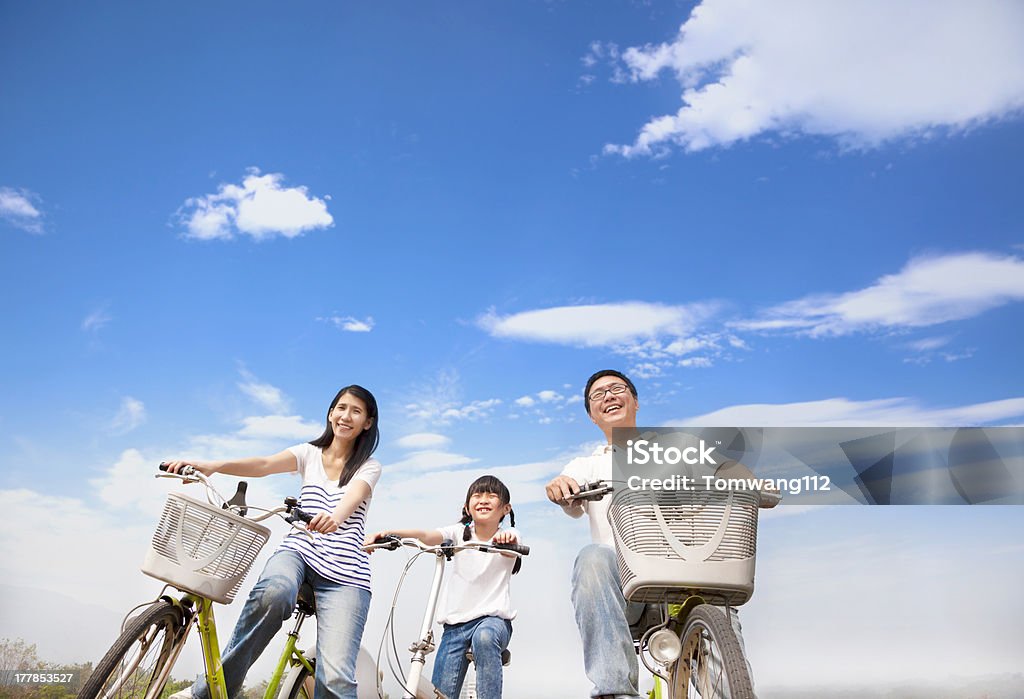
(188, 617)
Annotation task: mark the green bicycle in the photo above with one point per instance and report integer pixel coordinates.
(202, 550)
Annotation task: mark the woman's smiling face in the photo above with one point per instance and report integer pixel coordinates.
(349, 417)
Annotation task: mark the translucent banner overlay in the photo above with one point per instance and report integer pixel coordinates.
(829, 465)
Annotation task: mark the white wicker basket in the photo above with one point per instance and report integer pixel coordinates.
(203, 549)
(672, 544)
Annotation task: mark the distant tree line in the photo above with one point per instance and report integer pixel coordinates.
(17, 656)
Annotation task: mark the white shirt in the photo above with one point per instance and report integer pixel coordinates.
(476, 582)
(587, 469)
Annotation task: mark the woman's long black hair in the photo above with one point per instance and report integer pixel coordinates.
(488, 484)
(367, 441)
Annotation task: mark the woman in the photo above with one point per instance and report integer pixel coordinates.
(338, 477)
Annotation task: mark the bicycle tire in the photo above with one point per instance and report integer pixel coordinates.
(298, 687)
(711, 665)
(138, 656)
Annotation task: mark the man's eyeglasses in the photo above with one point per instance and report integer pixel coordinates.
(616, 389)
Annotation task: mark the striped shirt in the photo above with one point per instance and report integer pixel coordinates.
(337, 556)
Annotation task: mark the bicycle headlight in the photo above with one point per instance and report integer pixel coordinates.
(664, 646)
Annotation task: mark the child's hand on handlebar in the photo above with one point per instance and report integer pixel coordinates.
(323, 523)
(505, 537)
(372, 539)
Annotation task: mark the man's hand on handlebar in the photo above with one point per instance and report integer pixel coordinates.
(560, 488)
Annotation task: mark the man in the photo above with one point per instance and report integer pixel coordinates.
(602, 613)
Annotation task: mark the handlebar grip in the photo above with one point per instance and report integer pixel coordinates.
(393, 541)
(186, 471)
(518, 548)
(591, 491)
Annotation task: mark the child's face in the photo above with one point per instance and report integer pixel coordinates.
(487, 508)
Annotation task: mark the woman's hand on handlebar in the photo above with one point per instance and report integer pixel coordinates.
(176, 466)
(323, 523)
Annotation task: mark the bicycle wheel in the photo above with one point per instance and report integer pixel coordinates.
(711, 665)
(138, 656)
(299, 683)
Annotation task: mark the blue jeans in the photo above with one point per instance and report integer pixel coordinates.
(609, 657)
(340, 617)
(488, 636)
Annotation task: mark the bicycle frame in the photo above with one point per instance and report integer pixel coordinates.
(289, 656)
(425, 644)
(206, 624)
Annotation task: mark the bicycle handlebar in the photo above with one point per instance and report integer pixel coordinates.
(290, 512)
(393, 542)
(591, 491)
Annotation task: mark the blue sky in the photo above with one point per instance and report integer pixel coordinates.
(212, 216)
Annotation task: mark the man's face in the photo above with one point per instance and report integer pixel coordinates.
(610, 409)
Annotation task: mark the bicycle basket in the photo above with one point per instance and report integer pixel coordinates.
(203, 549)
(673, 544)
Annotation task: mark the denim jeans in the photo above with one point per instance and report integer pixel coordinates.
(340, 617)
(488, 636)
(609, 657)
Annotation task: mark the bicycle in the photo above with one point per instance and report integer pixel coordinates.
(686, 554)
(414, 685)
(203, 550)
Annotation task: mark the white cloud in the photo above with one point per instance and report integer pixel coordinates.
(927, 291)
(261, 208)
(863, 72)
(842, 412)
(474, 410)
(696, 362)
(598, 325)
(350, 323)
(17, 209)
(430, 460)
(441, 402)
(545, 406)
(291, 427)
(423, 440)
(96, 320)
(131, 414)
(270, 397)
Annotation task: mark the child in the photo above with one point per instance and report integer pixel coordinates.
(475, 608)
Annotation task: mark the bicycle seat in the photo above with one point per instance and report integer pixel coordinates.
(305, 603)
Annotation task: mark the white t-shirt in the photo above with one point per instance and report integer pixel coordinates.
(338, 556)
(476, 582)
(587, 469)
